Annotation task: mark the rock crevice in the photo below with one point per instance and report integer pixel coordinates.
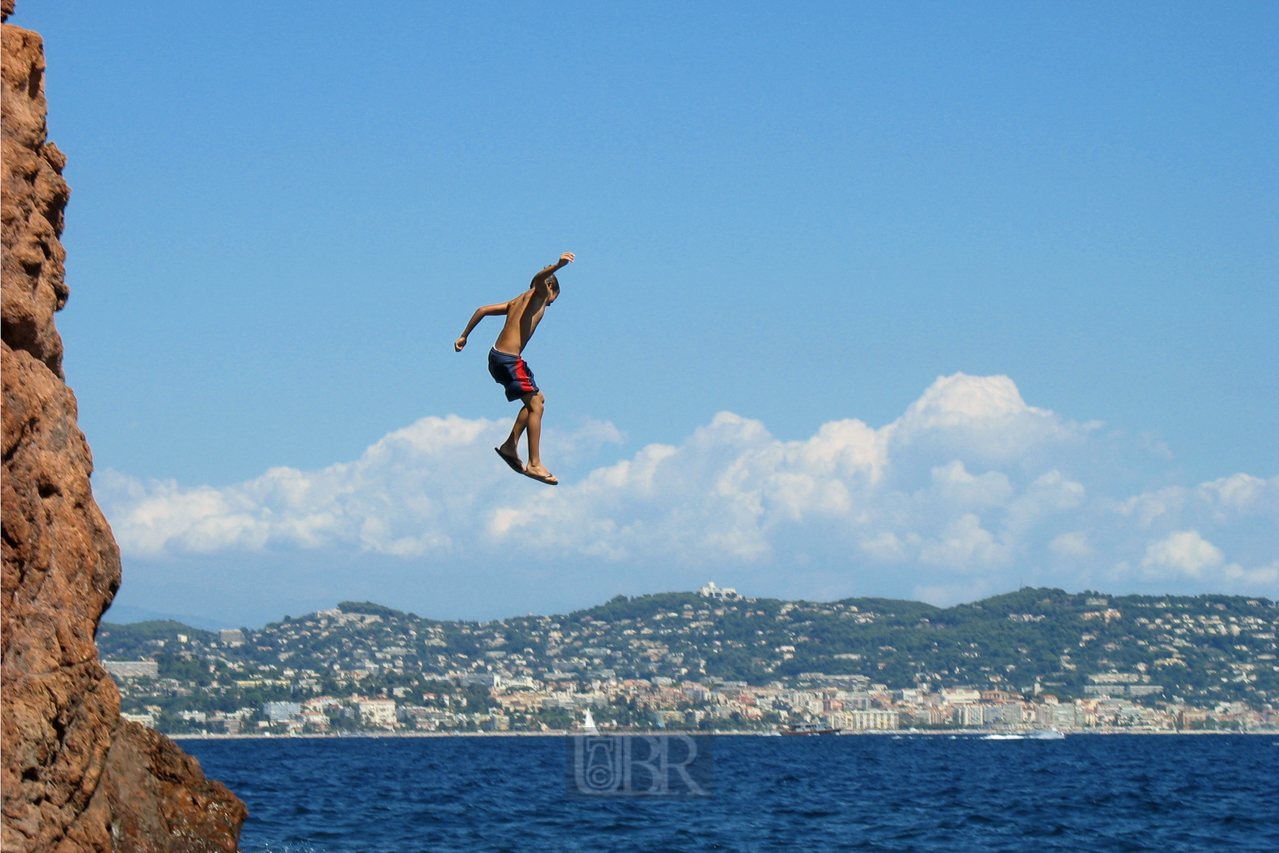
(74, 775)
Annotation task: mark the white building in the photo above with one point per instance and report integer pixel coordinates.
(870, 720)
(960, 696)
(231, 636)
(132, 668)
(1063, 716)
(280, 711)
(376, 712)
(478, 679)
(1005, 713)
(718, 592)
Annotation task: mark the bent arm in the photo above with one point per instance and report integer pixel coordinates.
(480, 314)
(539, 280)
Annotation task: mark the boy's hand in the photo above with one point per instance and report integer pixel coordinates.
(459, 343)
(566, 258)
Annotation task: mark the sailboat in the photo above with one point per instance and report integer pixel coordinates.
(588, 724)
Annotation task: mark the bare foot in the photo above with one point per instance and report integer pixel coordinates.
(539, 473)
(511, 457)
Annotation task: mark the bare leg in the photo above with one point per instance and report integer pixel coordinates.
(511, 447)
(533, 404)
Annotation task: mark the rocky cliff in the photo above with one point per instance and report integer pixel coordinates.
(74, 776)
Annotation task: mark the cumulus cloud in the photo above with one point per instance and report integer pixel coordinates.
(1186, 552)
(418, 490)
(969, 490)
(1183, 551)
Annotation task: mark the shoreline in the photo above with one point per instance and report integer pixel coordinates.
(978, 734)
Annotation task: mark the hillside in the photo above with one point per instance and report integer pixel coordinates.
(1197, 650)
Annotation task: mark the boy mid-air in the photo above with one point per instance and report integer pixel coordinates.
(523, 313)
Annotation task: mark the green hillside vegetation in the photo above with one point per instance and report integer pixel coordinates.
(1202, 649)
(139, 639)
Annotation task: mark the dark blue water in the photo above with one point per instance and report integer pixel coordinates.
(1111, 793)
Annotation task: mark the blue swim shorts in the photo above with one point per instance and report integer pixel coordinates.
(511, 373)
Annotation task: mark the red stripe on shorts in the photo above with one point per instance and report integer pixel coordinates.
(521, 373)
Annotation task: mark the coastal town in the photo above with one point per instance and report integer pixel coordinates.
(1029, 662)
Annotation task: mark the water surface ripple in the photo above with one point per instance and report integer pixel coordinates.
(874, 793)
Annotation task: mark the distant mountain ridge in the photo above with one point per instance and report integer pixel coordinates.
(1207, 647)
(124, 614)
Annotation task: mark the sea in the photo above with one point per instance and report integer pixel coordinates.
(822, 793)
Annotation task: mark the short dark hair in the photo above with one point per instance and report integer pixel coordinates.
(552, 282)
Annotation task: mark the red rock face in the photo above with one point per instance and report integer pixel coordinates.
(74, 776)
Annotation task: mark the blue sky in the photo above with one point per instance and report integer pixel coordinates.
(282, 215)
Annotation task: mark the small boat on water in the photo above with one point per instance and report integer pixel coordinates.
(809, 729)
(1004, 737)
(1046, 734)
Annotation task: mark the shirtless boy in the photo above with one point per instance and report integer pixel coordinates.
(523, 313)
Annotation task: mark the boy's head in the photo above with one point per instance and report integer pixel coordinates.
(552, 285)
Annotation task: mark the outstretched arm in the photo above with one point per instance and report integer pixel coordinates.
(539, 280)
(480, 314)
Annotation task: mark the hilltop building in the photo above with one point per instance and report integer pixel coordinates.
(721, 593)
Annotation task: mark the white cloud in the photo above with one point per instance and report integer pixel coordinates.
(1072, 544)
(418, 490)
(969, 489)
(965, 546)
(1184, 551)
